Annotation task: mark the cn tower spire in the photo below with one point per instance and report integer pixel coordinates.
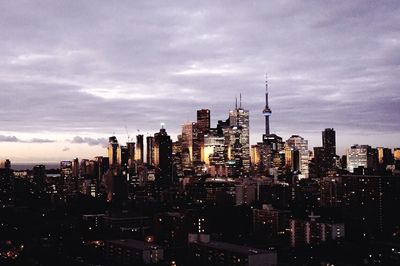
(267, 111)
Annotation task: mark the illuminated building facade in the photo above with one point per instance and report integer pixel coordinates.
(114, 155)
(203, 126)
(131, 155)
(162, 154)
(190, 145)
(139, 153)
(272, 154)
(385, 157)
(239, 135)
(66, 170)
(149, 150)
(300, 144)
(361, 156)
(396, 155)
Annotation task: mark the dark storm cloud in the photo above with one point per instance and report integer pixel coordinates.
(96, 67)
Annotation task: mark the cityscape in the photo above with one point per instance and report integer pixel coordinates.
(183, 133)
(207, 198)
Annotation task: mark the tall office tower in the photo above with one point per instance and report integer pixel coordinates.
(292, 159)
(272, 145)
(177, 158)
(66, 170)
(163, 157)
(131, 154)
(301, 145)
(149, 150)
(120, 181)
(361, 156)
(255, 154)
(203, 126)
(320, 161)
(115, 182)
(83, 168)
(237, 156)
(114, 155)
(214, 148)
(102, 165)
(261, 158)
(139, 149)
(125, 156)
(329, 144)
(75, 168)
(239, 128)
(190, 145)
(266, 111)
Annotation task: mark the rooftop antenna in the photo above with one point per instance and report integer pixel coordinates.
(240, 95)
(266, 82)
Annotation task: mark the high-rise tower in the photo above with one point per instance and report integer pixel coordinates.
(267, 111)
(240, 127)
(139, 149)
(162, 152)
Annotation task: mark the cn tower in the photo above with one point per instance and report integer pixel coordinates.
(267, 111)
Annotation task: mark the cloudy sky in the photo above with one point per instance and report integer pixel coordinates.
(75, 72)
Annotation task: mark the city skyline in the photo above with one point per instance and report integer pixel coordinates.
(85, 72)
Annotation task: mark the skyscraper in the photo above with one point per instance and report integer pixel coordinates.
(190, 144)
(267, 111)
(131, 154)
(149, 150)
(203, 126)
(139, 149)
(301, 145)
(325, 157)
(239, 130)
(329, 144)
(114, 155)
(66, 170)
(163, 157)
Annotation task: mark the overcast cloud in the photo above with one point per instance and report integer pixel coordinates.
(94, 67)
(15, 139)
